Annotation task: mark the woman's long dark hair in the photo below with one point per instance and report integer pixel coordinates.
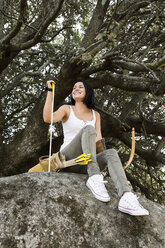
(89, 99)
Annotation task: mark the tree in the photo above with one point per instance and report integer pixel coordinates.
(117, 47)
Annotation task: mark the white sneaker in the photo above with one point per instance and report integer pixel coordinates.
(129, 204)
(96, 184)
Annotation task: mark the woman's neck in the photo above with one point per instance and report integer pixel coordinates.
(81, 106)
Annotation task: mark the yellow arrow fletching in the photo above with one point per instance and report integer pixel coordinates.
(83, 159)
(83, 163)
(82, 155)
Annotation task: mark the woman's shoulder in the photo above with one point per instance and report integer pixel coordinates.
(97, 114)
(66, 109)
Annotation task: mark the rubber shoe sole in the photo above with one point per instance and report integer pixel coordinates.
(134, 212)
(97, 196)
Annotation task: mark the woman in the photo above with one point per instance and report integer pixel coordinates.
(82, 129)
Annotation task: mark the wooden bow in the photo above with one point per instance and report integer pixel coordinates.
(132, 149)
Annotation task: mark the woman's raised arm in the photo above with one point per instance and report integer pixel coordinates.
(58, 115)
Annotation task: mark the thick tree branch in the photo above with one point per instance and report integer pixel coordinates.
(130, 8)
(37, 37)
(111, 62)
(159, 63)
(87, 57)
(148, 155)
(95, 23)
(130, 106)
(148, 24)
(18, 25)
(134, 66)
(160, 146)
(128, 83)
(112, 126)
(2, 123)
(151, 127)
(26, 39)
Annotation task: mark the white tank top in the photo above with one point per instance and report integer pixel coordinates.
(73, 125)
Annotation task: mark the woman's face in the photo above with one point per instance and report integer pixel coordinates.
(78, 92)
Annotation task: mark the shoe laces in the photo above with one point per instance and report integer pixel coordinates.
(99, 182)
(132, 200)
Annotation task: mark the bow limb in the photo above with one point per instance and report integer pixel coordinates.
(132, 149)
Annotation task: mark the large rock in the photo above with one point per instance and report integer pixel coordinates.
(49, 210)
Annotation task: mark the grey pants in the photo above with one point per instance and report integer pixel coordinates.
(85, 142)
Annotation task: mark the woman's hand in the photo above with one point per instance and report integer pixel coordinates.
(50, 82)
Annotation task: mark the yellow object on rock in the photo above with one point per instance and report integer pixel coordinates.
(57, 162)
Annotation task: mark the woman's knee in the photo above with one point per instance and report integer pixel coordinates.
(111, 153)
(107, 155)
(89, 129)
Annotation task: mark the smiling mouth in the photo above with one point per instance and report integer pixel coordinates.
(77, 93)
